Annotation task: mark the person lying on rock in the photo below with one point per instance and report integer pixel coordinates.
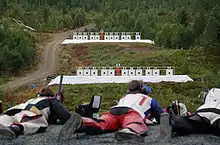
(127, 117)
(33, 116)
(206, 119)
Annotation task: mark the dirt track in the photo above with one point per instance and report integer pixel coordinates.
(49, 61)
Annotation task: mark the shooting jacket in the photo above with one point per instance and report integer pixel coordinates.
(210, 109)
(49, 107)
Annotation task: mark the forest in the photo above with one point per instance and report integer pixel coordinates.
(17, 48)
(172, 24)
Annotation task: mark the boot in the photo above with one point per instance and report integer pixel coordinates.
(127, 134)
(17, 129)
(6, 133)
(70, 127)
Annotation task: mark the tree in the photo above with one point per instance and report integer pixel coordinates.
(177, 38)
(163, 37)
(3, 6)
(46, 13)
(17, 48)
(80, 18)
(182, 17)
(99, 22)
(199, 25)
(211, 32)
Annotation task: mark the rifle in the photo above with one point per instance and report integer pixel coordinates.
(59, 90)
(1, 108)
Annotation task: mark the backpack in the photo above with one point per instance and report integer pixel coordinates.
(91, 109)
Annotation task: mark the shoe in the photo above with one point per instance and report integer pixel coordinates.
(127, 134)
(6, 133)
(70, 127)
(17, 129)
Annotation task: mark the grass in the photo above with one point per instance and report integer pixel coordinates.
(21, 95)
(4, 80)
(163, 93)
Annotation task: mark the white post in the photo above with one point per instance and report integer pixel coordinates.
(128, 36)
(75, 36)
(139, 71)
(79, 36)
(137, 36)
(106, 36)
(79, 71)
(85, 36)
(116, 36)
(169, 71)
(148, 71)
(131, 71)
(104, 71)
(91, 36)
(124, 71)
(97, 36)
(87, 71)
(111, 36)
(156, 72)
(94, 71)
(111, 71)
(123, 36)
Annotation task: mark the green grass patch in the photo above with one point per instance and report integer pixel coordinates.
(4, 80)
(164, 93)
(197, 63)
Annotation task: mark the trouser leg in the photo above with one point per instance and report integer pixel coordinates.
(172, 116)
(31, 123)
(190, 124)
(216, 127)
(134, 121)
(106, 123)
(6, 120)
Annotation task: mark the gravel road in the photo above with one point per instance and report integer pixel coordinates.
(50, 137)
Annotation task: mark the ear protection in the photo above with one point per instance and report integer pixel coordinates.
(175, 104)
(141, 85)
(144, 88)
